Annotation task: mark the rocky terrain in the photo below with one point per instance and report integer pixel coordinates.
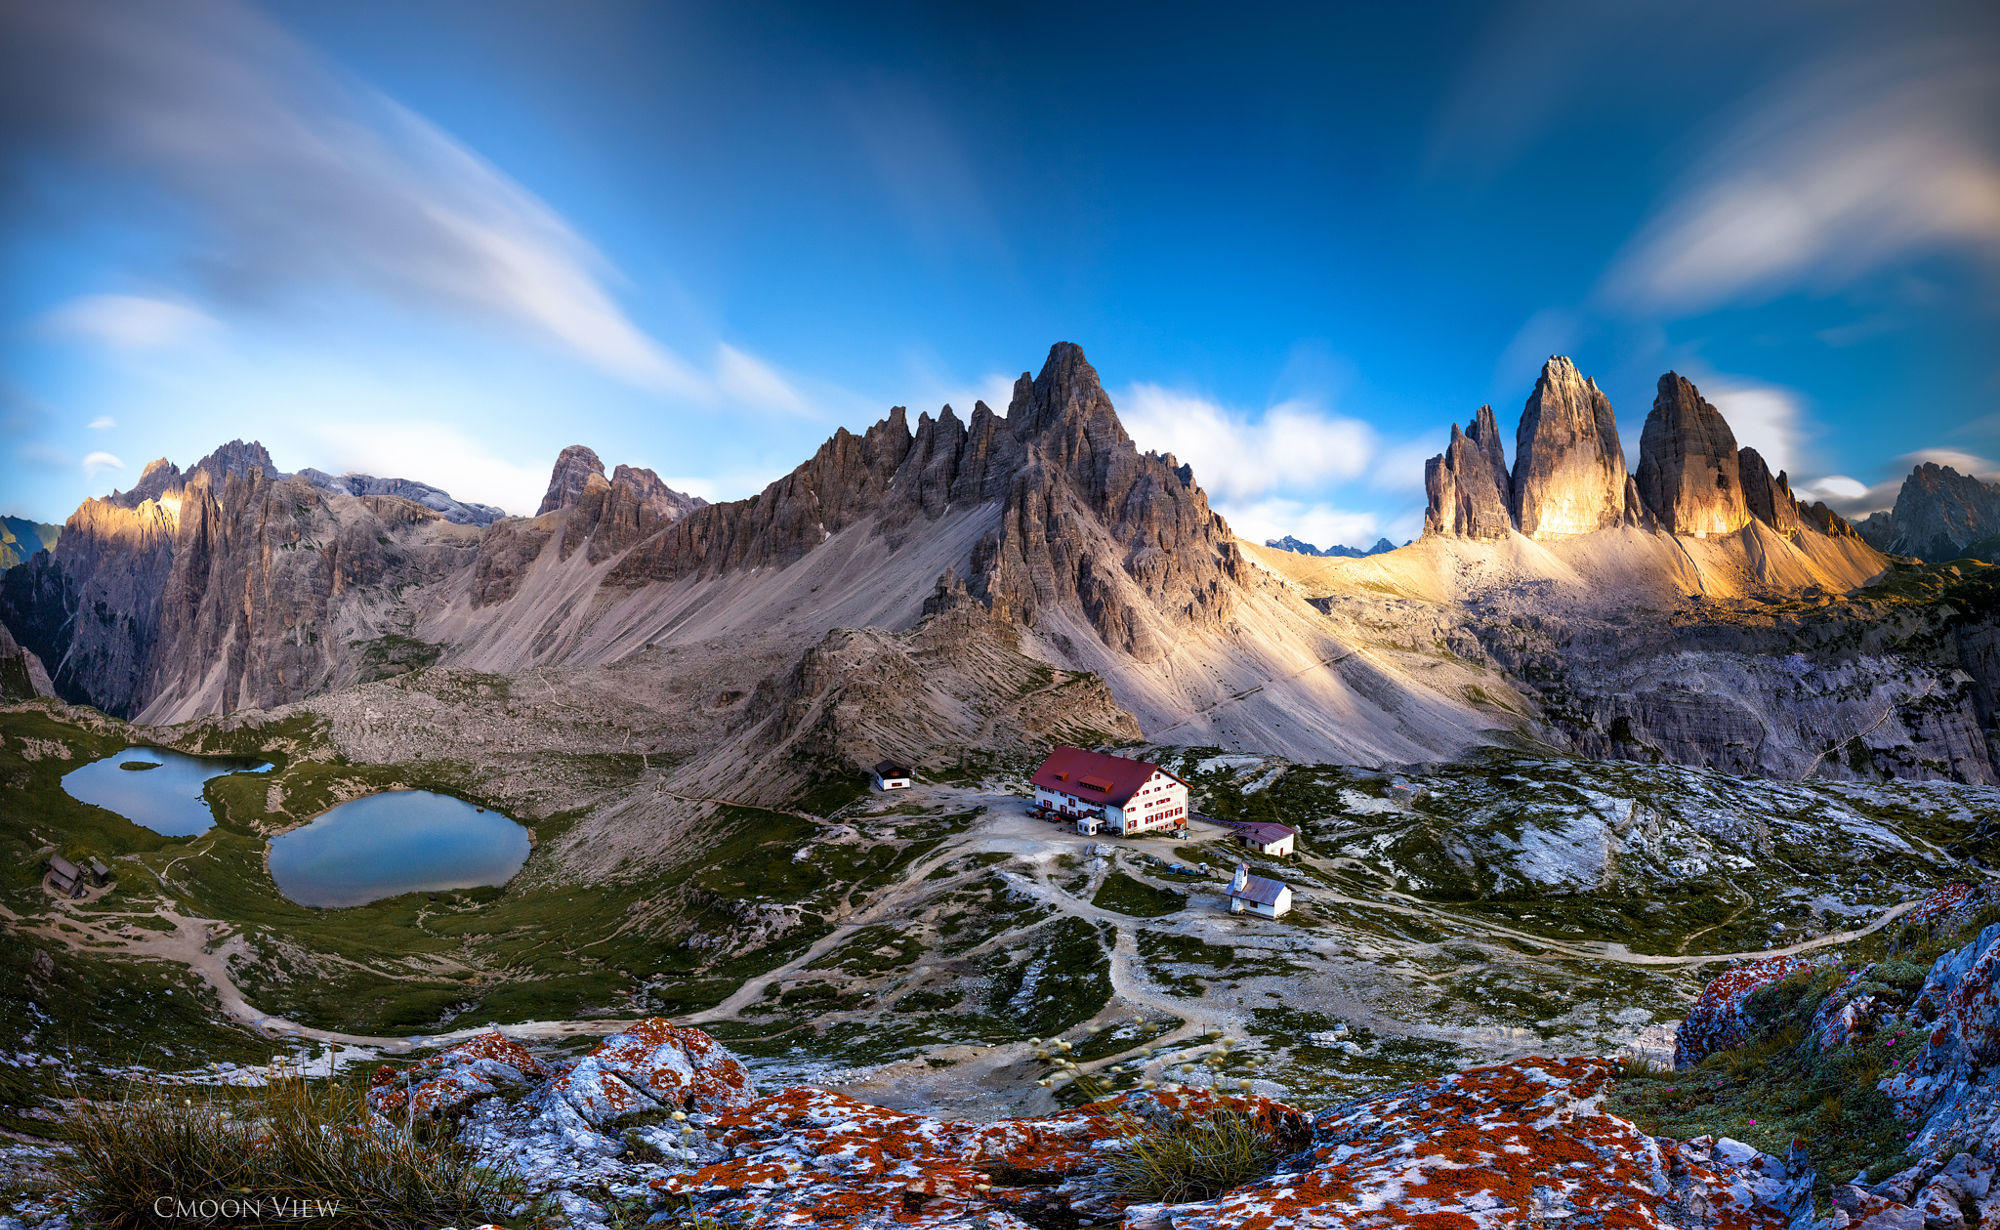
(664, 1122)
(1940, 514)
(1569, 468)
(1554, 766)
(1569, 471)
(1101, 559)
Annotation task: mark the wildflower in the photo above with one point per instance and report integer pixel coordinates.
(1753, 1123)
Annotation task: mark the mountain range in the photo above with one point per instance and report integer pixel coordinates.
(1561, 601)
(1289, 543)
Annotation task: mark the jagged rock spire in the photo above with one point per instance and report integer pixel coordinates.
(1569, 468)
(1688, 468)
(1467, 485)
(1767, 498)
(573, 468)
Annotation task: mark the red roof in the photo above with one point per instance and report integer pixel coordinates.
(1093, 776)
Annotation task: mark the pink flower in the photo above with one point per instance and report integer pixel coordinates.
(1753, 1123)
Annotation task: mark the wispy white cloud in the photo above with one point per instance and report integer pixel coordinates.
(301, 181)
(1239, 456)
(1874, 153)
(927, 172)
(129, 322)
(1766, 417)
(432, 452)
(1849, 496)
(750, 382)
(97, 463)
(103, 422)
(1280, 471)
(1957, 459)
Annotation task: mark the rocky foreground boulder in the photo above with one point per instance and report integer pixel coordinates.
(664, 1117)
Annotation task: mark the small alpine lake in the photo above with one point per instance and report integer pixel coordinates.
(156, 788)
(401, 841)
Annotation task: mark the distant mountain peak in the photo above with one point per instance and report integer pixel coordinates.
(1939, 512)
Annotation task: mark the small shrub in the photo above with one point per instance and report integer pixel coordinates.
(1905, 976)
(1195, 1157)
(288, 1140)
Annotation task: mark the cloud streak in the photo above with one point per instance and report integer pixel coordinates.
(97, 463)
(129, 322)
(299, 179)
(1867, 157)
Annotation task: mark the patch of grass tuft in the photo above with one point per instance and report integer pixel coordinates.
(1195, 1156)
(289, 1139)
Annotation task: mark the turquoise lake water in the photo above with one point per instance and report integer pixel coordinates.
(166, 798)
(404, 841)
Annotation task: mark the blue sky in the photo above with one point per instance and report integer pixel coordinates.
(444, 240)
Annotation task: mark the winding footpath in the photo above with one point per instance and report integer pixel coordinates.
(187, 945)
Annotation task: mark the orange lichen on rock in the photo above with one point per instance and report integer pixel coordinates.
(1522, 1143)
(654, 1065)
(450, 1080)
(811, 1157)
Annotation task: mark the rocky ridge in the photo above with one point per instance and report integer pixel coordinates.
(1688, 469)
(574, 466)
(1569, 471)
(1468, 487)
(1048, 520)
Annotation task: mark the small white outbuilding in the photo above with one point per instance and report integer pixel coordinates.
(1257, 895)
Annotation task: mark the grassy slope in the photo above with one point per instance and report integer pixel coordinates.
(415, 963)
